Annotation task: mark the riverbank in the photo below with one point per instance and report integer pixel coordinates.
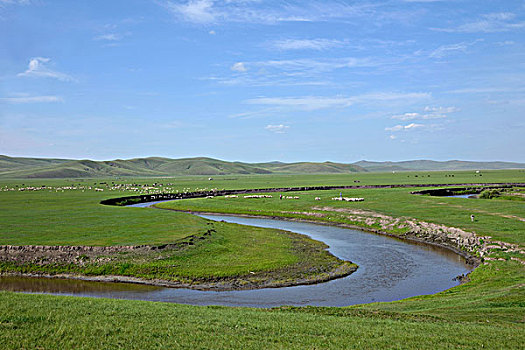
(268, 280)
(410, 236)
(261, 258)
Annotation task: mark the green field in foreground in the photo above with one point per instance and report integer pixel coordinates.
(487, 312)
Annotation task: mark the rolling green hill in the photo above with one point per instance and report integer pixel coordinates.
(431, 165)
(11, 167)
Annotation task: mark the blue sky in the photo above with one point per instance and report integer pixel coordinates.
(258, 81)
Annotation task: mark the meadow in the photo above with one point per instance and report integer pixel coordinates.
(487, 312)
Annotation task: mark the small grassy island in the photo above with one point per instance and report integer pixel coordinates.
(59, 227)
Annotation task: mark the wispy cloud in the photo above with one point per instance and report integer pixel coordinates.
(445, 50)
(238, 67)
(31, 99)
(404, 127)
(37, 68)
(308, 103)
(197, 11)
(278, 129)
(109, 37)
(308, 67)
(488, 23)
(429, 113)
(306, 44)
(266, 80)
(414, 116)
(212, 11)
(406, 116)
(440, 109)
(293, 72)
(311, 103)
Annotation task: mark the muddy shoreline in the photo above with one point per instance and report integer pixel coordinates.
(227, 285)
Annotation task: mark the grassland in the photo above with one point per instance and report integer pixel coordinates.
(486, 312)
(201, 253)
(501, 219)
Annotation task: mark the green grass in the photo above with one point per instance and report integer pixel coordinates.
(75, 217)
(70, 217)
(468, 319)
(231, 254)
(487, 312)
(499, 219)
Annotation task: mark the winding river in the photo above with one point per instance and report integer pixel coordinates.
(389, 269)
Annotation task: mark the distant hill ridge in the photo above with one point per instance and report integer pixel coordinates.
(17, 167)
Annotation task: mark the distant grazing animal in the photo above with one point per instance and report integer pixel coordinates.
(472, 218)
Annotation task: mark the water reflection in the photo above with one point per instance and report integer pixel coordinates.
(67, 286)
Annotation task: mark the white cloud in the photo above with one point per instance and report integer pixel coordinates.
(109, 37)
(197, 11)
(306, 44)
(391, 96)
(308, 103)
(212, 32)
(239, 67)
(406, 116)
(38, 68)
(441, 109)
(278, 129)
(435, 113)
(311, 103)
(317, 65)
(488, 23)
(31, 99)
(404, 127)
(212, 11)
(445, 50)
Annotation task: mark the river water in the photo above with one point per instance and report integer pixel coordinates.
(389, 269)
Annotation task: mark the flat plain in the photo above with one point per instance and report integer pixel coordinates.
(487, 311)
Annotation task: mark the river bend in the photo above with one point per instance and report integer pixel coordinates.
(389, 269)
